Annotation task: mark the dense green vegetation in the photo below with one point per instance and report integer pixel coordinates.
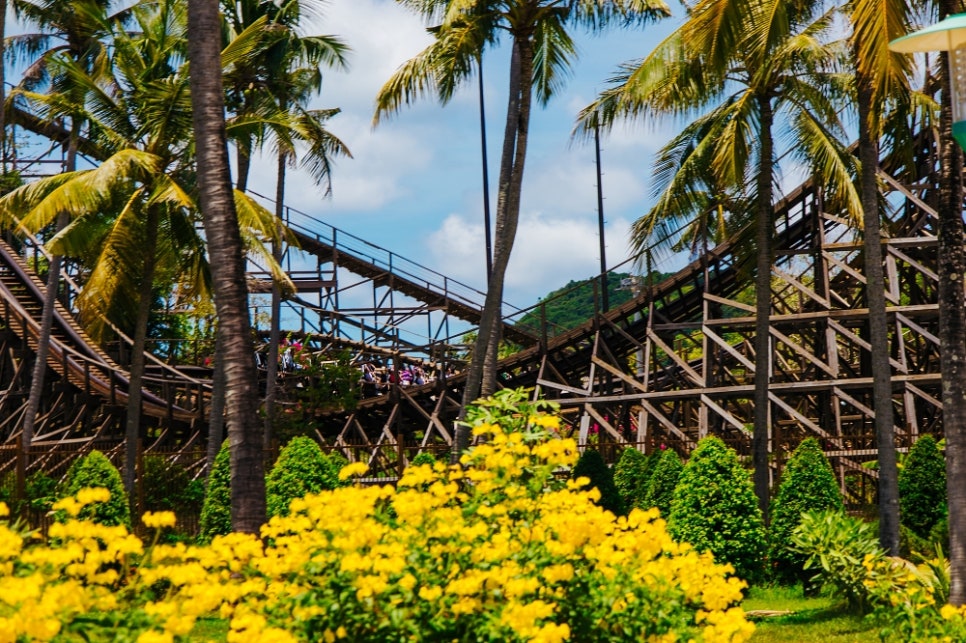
(807, 484)
(573, 304)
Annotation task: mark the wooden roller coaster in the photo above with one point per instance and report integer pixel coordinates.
(673, 364)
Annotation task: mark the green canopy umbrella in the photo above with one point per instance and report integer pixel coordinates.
(946, 35)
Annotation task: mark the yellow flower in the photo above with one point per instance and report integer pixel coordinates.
(90, 495)
(69, 505)
(156, 520)
(354, 469)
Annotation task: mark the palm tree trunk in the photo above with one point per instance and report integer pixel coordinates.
(227, 267)
(243, 160)
(275, 332)
(50, 302)
(132, 431)
(764, 231)
(952, 330)
(216, 412)
(878, 326)
(3, 87)
(507, 218)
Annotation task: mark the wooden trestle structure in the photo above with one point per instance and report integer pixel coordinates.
(676, 363)
(673, 364)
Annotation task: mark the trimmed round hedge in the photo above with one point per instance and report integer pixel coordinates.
(92, 471)
(715, 509)
(301, 468)
(922, 487)
(591, 465)
(807, 484)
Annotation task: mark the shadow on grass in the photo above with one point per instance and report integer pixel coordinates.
(812, 619)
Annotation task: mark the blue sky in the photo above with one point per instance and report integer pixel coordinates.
(414, 184)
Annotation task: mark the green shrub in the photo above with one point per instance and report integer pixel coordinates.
(591, 465)
(95, 470)
(807, 484)
(301, 468)
(940, 533)
(423, 458)
(836, 546)
(40, 491)
(216, 510)
(631, 475)
(664, 479)
(715, 509)
(922, 487)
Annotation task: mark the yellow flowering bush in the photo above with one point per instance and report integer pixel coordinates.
(497, 548)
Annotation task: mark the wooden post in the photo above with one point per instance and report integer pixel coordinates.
(139, 483)
(20, 493)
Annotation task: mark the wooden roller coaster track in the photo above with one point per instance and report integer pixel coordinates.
(676, 363)
(670, 366)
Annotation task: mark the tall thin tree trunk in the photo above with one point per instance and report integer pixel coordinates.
(243, 160)
(3, 87)
(507, 217)
(878, 327)
(764, 232)
(216, 412)
(275, 332)
(227, 267)
(952, 329)
(132, 431)
(47, 313)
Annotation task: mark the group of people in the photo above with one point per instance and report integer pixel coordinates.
(376, 378)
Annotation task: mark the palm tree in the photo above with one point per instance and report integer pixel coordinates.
(952, 326)
(542, 50)
(228, 268)
(287, 61)
(75, 30)
(882, 81)
(750, 64)
(134, 215)
(278, 83)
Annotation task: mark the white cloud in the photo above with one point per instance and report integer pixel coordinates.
(414, 184)
(549, 252)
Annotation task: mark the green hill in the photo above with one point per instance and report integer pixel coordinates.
(573, 304)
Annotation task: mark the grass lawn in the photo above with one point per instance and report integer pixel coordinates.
(817, 619)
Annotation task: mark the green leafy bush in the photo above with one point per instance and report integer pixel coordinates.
(40, 491)
(715, 509)
(93, 471)
(839, 548)
(591, 465)
(301, 468)
(922, 487)
(632, 473)
(423, 458)
(940, 533)
(664, 479)
(501, 549)
(216, 510)
(807, 484)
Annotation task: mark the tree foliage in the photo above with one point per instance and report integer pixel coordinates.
(807, 484)
(573, 304)
(664, 479)
(632, 475)
(715, 509)
(92, 471)
(301, 468)
(216, 511)
(922, 487)
(591, 465)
